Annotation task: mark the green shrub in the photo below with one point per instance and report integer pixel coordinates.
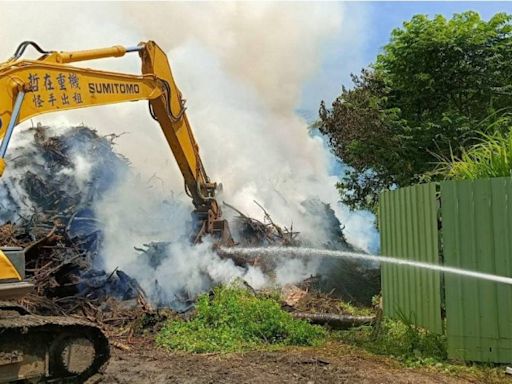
(400, 339)
(234, 320)
(492, 157)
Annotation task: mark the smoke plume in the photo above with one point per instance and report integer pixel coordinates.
(241, 67)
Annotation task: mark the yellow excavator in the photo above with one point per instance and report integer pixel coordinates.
(46, 349)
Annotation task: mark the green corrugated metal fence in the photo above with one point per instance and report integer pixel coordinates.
(477, 235)
(408, 224)
(475, 218)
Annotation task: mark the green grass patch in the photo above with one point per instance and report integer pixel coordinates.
(233, 320)
(416, 347)
(492, 157)
(400, 339)
(354, 310)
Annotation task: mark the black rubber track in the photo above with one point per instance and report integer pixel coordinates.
(54, 333)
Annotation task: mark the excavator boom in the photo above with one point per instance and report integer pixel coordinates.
(32, 87)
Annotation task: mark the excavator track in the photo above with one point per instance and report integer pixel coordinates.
(45, 349)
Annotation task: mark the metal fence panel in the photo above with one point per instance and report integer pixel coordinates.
(477, 235)
(409, 230)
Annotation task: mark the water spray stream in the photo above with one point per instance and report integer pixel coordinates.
(307, 252)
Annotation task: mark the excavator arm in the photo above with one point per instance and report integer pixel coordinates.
(49, 84)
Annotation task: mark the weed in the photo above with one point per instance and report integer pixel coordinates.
(492, 157)
(416, 347)
(233, 319)
(400, 339)
(354, 310)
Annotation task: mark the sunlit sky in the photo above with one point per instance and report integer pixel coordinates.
(366, 29)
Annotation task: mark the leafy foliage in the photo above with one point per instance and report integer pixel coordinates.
(400, 339)
(492, 157)
(235, 320)
(436, 85)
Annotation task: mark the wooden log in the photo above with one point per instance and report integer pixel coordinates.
(333, 320)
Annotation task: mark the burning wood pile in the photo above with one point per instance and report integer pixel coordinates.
(253, 232)
(343, 278)
(46, 211)
(47, 205)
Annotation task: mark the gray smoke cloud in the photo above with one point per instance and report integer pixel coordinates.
(137, 213)
(241, 67)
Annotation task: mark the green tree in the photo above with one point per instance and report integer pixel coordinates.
(436, 85)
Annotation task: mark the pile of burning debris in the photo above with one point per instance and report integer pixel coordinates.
(46, 206)
(46, 211)
(345, 279)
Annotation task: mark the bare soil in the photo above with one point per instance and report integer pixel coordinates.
(331, 363)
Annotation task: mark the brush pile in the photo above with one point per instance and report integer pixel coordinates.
(47, 198)
(47, 201)
(344, 279)
(253, 232)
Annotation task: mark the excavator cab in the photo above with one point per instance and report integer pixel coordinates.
(12, 274)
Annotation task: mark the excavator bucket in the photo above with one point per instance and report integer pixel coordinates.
(222, 233)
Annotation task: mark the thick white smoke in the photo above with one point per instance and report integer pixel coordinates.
(135, 213)
(241, 67)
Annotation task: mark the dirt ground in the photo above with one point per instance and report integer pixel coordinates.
(332, 363)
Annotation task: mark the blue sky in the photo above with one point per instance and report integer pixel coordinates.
(368, 26)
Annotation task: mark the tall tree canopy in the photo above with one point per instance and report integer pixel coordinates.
(435, 85)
